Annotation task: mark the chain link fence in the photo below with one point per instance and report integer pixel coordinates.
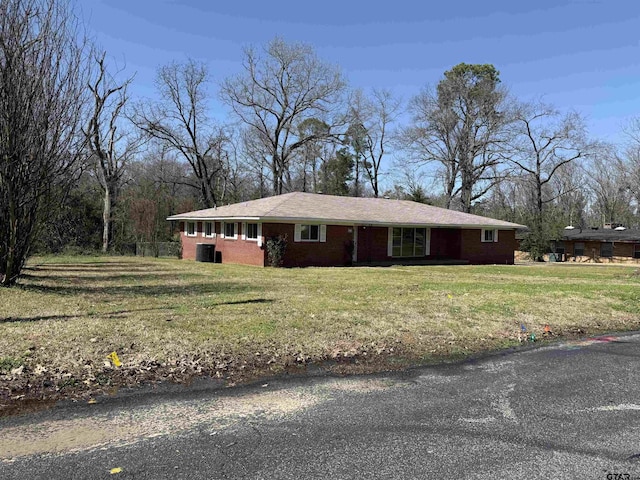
(158, 249)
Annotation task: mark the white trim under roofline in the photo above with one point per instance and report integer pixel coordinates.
(216, 219)
(328, 221)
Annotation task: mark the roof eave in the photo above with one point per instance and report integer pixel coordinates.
(349, 222)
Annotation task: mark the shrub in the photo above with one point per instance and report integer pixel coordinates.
(276, 246)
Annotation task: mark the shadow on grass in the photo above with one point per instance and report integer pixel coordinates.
(93, 267)
(242, 302)
(190, 289)
(125, 277)
(108, 315)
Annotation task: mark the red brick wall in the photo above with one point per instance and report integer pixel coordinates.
(189, 243)
(445, 243)
(229, 251)
(246, 252)
(476, 251)
(623, 249)
(592, 249)
(372, 246)
(333, 252)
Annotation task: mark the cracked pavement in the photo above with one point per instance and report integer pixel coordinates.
(569, 410)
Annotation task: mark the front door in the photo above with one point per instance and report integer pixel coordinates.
(362, 242)
(354, 253)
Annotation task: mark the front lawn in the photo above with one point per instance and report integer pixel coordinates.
(173, 319)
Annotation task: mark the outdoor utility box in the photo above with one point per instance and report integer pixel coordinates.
(205, 252)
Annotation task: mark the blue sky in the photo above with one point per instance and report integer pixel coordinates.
(575, 54)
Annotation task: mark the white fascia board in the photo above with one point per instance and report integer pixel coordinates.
(216, 219)
(335, 221)
(329, 221)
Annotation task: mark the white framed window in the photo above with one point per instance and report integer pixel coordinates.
(190, 229)
(489, 235)
(310, 233)
(251, 231)
(408, 242)
(230, 230)
(208, 230)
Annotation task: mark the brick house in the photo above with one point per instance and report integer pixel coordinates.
(599, 245)
(327, 230)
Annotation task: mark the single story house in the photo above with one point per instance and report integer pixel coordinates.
(598, 244)
(327, 230)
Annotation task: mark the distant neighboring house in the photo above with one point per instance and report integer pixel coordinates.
(327, 230)
(605, 244)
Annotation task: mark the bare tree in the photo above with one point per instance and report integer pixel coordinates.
(567, 187)
(110, 145)
(276, 93)
(460, 126)
(373, 118)
(543, 142)
(431, 138)
(180, 121)
(158, 178)
(314, 156)
(355, 138)
(43, 74)
(607, 179)
(632, 168)
(255, 149)
(632, 161)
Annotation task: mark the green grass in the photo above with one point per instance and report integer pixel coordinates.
(69, 313)
(7, 364)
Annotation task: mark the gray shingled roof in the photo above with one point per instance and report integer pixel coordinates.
(311, 207)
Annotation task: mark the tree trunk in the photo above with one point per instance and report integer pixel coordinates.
(106, 219)
(466, 177)
(21, 221)
(374, 185)
(450, 188)
(275, 170)
(465, 192)
(356, 180)
(9, 266)
(539, 197)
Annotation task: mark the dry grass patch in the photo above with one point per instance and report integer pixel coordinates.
(175, 319)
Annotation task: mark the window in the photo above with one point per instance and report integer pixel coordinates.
(230, 230)
(190, 229)
(606, 249)
(310, 233)
(636, 251)
(578, 249)
(558, 247)
(252, 231)
(409, 242)
(489, 235)
(208, 229)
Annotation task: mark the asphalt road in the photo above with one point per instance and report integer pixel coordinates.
(569, 411)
